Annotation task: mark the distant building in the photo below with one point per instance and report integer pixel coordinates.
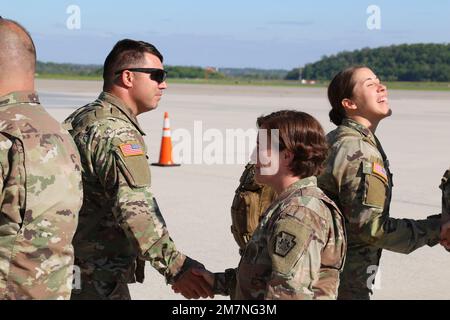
(304, 81)
(211, 69)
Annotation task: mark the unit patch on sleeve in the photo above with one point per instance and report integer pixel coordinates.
(284, 243)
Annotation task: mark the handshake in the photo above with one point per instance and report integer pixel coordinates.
(194, 283)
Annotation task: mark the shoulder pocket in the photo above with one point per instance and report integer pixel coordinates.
(375, 185)
(134, 167)
(287, 245)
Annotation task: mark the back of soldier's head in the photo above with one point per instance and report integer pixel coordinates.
(17, 50)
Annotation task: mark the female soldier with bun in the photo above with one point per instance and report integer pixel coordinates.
(358, 178)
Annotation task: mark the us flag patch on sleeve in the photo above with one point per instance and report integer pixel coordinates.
(380, 171)
(131, 149)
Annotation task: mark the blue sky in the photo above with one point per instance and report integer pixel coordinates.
(263, 34)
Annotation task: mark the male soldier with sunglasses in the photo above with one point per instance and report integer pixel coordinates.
(120, 224)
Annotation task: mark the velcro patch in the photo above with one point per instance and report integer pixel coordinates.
(288, 243)
(380, 171)
(131, 149)
(284, 243)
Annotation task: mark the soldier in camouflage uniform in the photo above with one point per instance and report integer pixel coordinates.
(40, 179)
(120, 223)
(358, 178)
(298, 249)
(445, 187)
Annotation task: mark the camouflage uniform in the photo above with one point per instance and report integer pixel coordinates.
(358, 179)
(41, 195)
(297, 251)
(119, 220)
(250, 201)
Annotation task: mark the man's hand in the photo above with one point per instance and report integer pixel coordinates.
(192, 284)
(205, 274)
(445, 235)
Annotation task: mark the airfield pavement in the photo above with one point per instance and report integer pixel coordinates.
(195, 199)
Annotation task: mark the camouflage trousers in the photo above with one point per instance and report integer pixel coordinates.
(360, 269)
(354, 293)
(101, 290)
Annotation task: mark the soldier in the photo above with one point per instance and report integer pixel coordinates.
(40, 179)
(445, 186)
(298, 249)
(120, 223)
(357, 177)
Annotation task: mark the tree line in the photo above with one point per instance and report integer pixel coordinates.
(97, 70)
(407, 62)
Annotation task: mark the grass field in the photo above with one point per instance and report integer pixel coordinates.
(417, 86)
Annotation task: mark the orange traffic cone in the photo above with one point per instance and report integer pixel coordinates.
(165, 155)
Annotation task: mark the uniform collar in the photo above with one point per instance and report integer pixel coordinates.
(300, 184)
(19, 97)
(363, 130)
(120, 104)
(367, 135)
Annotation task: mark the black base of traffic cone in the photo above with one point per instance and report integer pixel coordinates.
(166, 165)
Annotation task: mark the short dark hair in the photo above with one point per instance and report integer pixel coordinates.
(301, 134)
(340, 88)
(126, 53)
(17, 46)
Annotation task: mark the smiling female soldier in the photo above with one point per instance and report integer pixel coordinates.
(357, 177)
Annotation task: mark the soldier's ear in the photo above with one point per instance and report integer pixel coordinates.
(348, 104)
(286, 157)
(127, 78)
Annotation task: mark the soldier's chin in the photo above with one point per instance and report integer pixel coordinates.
(387, 114)
(152, 106)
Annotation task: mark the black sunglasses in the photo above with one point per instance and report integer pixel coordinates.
(158, 75)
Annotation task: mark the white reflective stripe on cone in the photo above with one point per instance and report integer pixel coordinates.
(166, 123)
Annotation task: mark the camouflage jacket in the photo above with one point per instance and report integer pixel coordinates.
(296, 252)
(357, 177)
(40, 178)
(120, 219)
(445, 187)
